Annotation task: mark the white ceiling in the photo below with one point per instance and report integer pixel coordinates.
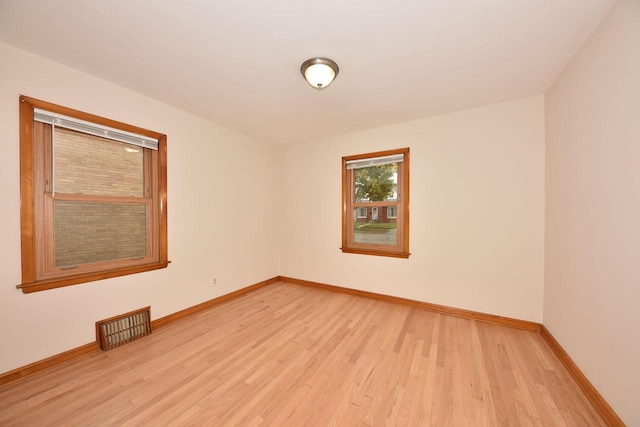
(236, 62)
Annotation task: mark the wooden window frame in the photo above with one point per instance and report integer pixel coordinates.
(401, 249)
(38, 271)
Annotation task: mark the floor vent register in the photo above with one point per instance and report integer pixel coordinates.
(119, 330)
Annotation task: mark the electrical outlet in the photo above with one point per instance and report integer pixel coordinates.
(215, 281)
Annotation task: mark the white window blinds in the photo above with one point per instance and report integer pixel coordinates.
(94, 129)
(374, 161)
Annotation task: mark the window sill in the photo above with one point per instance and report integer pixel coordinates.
(43, 285)
(392, 254)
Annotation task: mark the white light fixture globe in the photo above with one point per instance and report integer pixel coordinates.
(319, 72)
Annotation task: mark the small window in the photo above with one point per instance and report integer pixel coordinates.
(93, 197)
(376, 183)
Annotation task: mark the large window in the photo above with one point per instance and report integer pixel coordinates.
(375, 193)
(94, 201)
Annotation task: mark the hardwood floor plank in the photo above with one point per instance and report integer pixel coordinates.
(287, 355)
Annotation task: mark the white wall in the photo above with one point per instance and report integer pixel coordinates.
(592, 273)
(477, 211)
(222, 206)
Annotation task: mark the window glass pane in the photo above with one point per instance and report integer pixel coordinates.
(376, 183)
(376, 229)
(87, 232)
(87, 164)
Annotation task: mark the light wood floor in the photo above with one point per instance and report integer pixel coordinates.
(288, 355)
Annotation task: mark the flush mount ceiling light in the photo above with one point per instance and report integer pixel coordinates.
(319, 72)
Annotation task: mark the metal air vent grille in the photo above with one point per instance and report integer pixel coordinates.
(119, 330)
